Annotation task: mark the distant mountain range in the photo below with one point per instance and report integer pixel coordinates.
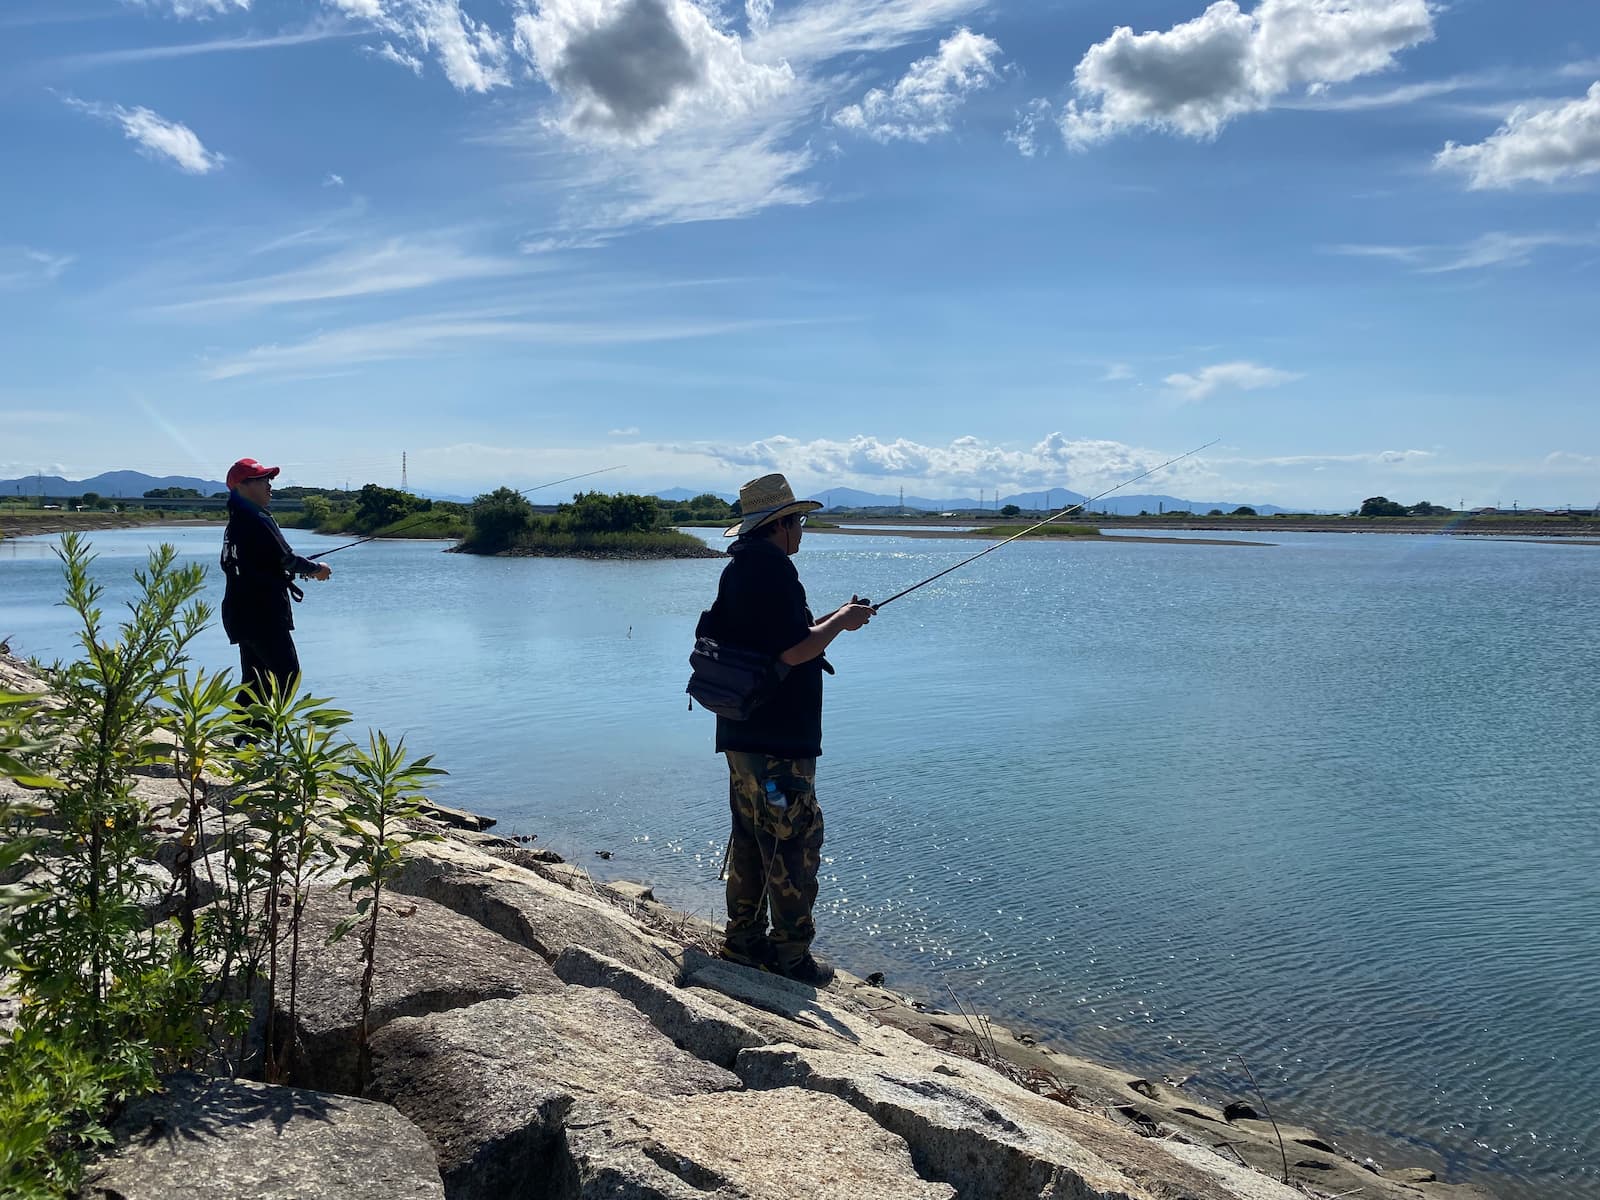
(843, 497)
(110, 484)
(113, 484)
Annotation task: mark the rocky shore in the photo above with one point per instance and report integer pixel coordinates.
(538, 1034)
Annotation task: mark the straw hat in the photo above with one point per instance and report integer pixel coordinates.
(764, 500)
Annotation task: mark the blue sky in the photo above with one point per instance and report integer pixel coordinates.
(943, 244)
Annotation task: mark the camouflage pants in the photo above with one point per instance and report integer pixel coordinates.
(773, 858)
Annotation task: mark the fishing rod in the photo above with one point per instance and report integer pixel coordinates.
(414, 518)
(1054, 517)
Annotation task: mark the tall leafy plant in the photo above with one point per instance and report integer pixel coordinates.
(380, 818)
(287, 772)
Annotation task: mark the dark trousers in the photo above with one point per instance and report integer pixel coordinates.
(774, 856)
(266, 655)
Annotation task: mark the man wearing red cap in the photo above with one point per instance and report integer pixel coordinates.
(260, 570)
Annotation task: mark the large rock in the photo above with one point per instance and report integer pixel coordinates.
(994, 1140)
(494, 1085)
(226, 1139)
(819, 1012)
(429, 960)
(776, 1145)
(528, 909)
(703, 1029)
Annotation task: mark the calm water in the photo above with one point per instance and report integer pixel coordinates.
(1333, 804)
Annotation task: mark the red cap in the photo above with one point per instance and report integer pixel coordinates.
(248, 468)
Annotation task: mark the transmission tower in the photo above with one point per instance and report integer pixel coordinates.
(405, 486)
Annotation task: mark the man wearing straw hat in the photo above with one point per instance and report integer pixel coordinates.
(775, 849)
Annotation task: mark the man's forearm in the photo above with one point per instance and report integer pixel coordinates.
(818, 640)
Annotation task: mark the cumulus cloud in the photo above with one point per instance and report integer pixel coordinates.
(920, 105)
(1540, 145)
(471, 54)
(155, 135)
(631, 70)
(1088, 465)
(1239, 376)
(1194, 78)
(674, 121)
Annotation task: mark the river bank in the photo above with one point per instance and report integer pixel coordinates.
(1552, 527)
(970, 534)
(528, 1021)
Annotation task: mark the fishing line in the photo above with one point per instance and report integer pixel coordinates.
(418, 518)
(1056, 517)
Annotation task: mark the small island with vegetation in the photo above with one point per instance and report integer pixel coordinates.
(593, 525)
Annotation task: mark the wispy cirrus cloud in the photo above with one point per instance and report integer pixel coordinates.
(921, 104)
(23, 267)
(1197, 76)
(471, 53)
(399, 58)
(191, 8)
(437, 334)
(1485, 251)
(1229, 376)
(821, 30)
(1533, 145)
(1376, 458)
(155, 136)
(390, 265)
(320, 31)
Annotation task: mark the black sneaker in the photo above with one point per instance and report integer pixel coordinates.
(810, 970)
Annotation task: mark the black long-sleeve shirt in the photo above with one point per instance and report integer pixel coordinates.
(260, 569)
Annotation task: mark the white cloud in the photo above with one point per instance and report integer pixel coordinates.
(920, 105)
(669, 118)
(399, 58)
(1377, 458)
(471, 54)
(22, 266)
(1087, 465)
(394, 265)
(664, 115)
(1240, 376)
(332, 180)
(192, 8)
(1117, 373)
(630, 431)
(1486, 250)
(445, 333)
(820, 30)
(1025, 134)
(155, 135)
(1541, 145)
(631, 70)
(1194, 78)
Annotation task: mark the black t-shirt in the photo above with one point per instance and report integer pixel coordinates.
(761, 605)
